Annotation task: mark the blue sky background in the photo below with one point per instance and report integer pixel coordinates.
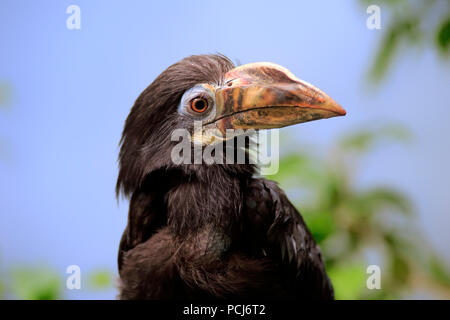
(72, 90)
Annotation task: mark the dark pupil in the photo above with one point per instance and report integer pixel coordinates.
(199, 104)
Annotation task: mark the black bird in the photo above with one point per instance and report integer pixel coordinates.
(215, 231)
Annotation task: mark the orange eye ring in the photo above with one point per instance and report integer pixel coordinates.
(199, 105)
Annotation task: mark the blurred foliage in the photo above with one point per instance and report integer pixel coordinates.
(44, 283)
(409, 23)
(2, 289)
(5, 94)
(351, 223)
(348, 280)
(35, 283)
(100, 280)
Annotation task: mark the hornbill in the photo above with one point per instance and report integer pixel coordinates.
(215, 231)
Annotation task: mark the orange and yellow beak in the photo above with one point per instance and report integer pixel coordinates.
(265, 95)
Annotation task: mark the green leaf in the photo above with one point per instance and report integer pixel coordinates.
(385, 54)
(2, 290)
(36, 284)
(402, 28)
(395, 132)
(400, 268)
(100, 279)
(349, 280)
(439, 271)
(443, 36)
(359, 141)
(321, 224)
(365, 139)
(290, 164)
(380, 198)
(5, 94)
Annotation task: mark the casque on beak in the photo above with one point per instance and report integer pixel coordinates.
(265, 95)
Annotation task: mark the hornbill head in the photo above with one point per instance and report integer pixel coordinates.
(210, 90)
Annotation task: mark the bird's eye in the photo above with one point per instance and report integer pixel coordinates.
(199, 105)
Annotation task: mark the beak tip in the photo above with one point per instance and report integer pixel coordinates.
(336, 109)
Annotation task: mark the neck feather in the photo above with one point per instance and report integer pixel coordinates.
(209, 196)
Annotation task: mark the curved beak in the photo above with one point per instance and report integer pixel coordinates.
(265, 95)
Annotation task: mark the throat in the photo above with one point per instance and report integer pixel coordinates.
(208, 197)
